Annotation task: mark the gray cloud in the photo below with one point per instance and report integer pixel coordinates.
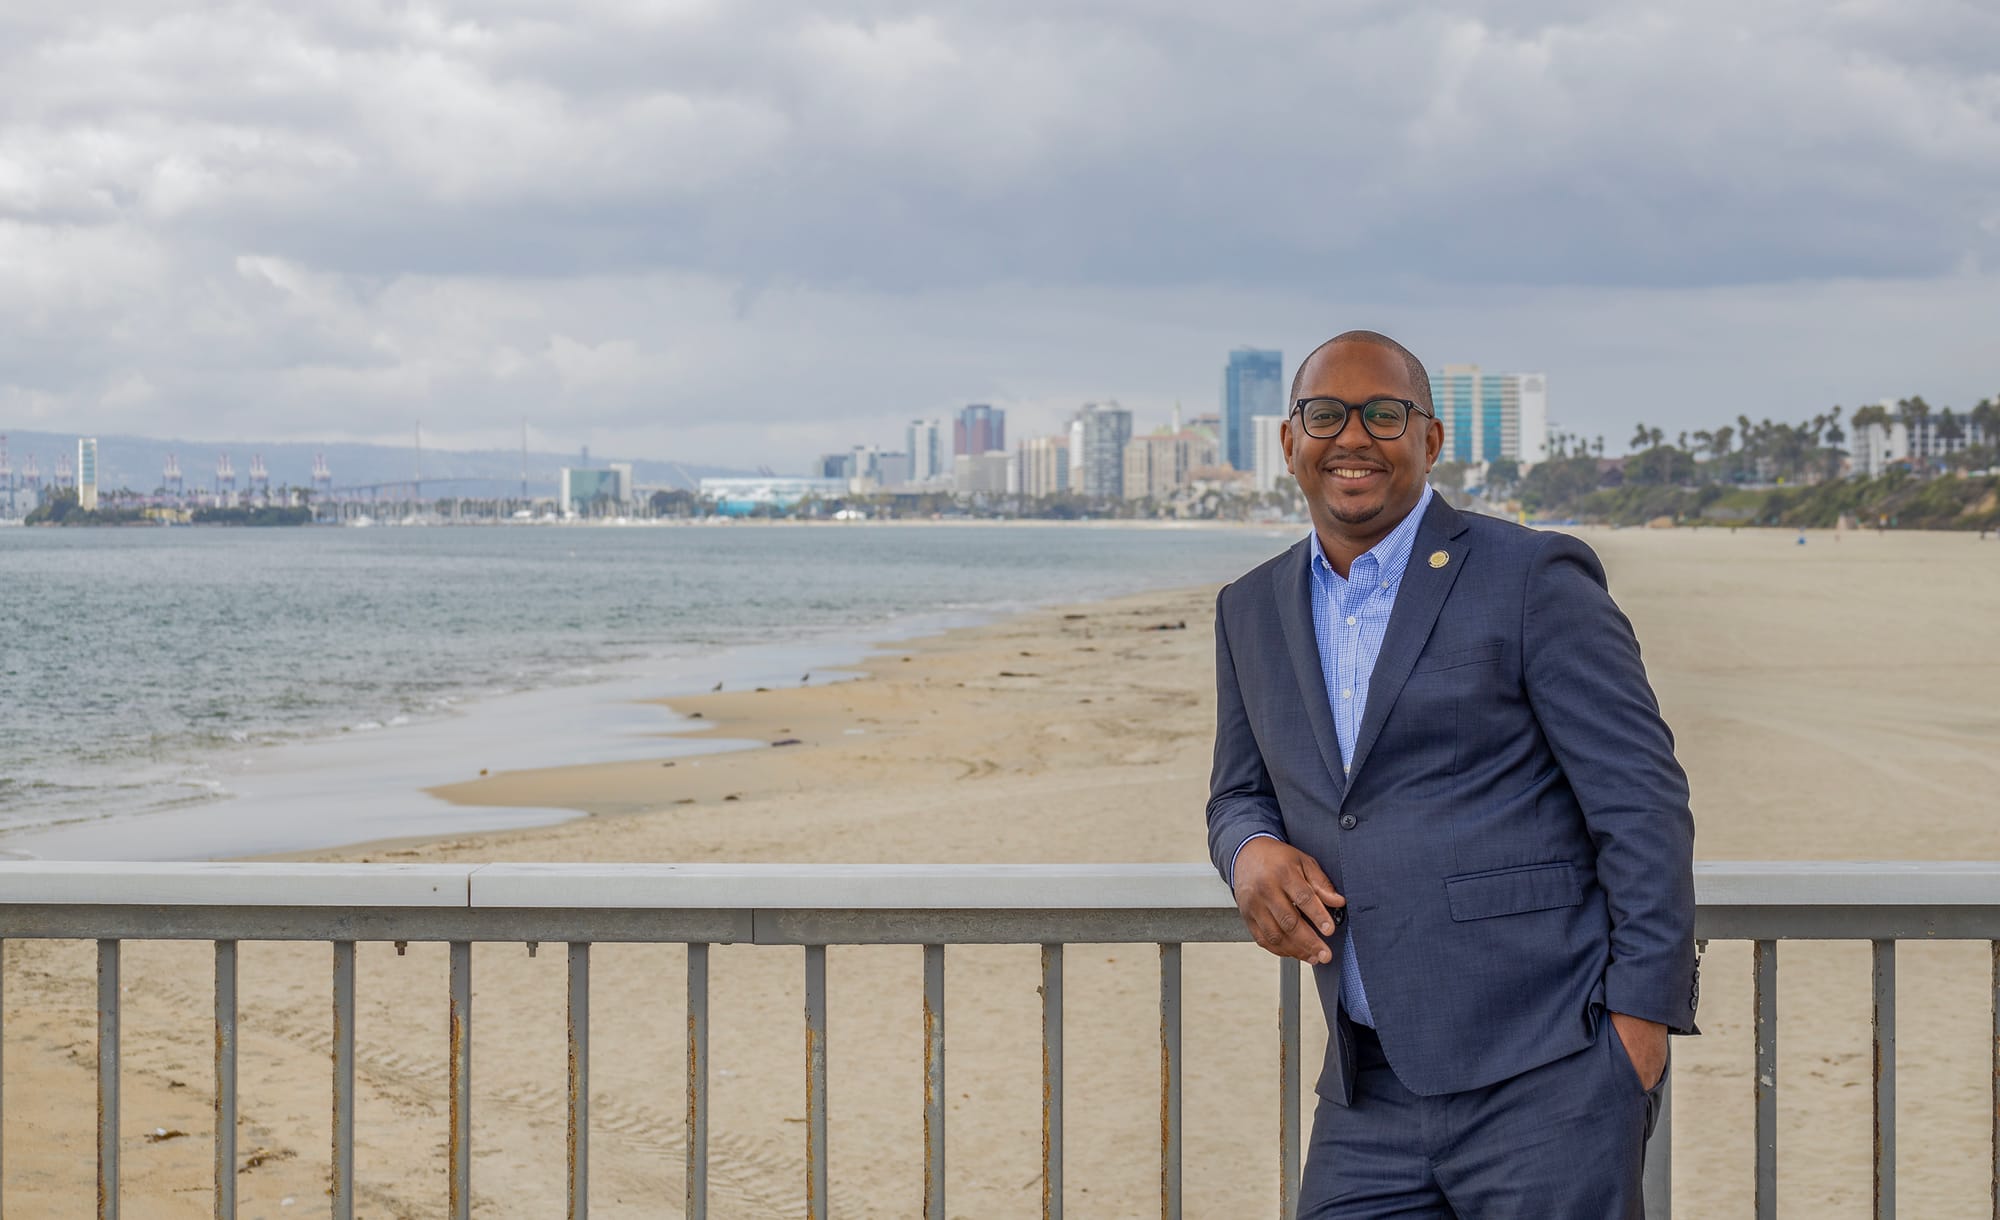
(721, 229)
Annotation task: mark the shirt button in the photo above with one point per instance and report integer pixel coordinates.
(1347, 821)
(1347, 694)
(1350, 620)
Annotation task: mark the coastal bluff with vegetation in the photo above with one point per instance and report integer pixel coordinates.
(1906, 467)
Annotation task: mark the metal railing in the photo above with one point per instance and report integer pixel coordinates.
(933, 906)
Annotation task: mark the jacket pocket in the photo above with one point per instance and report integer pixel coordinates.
(1458, 658)
(1512, 891)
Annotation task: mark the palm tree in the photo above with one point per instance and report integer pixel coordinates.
(1873, 413)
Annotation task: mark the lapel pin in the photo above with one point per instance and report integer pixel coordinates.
(1439, 559)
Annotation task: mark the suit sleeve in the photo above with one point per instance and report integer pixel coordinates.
(1590, 695)
(1241, 801)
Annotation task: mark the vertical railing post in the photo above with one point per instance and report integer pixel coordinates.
(697, 1082)
(1764, 962)
(107, 1080)
(816, 1150)
(459, 1160)
(343, 1080)
(579, 1081)
(225, 1080)
(1885, 1078)
(3, 1075)
(1288, 1089)
(934, 1094)
(1995, 1067)
(1052, 1081)
(1170, 1082)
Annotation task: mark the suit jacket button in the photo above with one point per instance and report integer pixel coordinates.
(1347, 821)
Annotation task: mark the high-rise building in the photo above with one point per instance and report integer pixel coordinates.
(1488, 416)
(868, 469)
(1097, 450)
(1252, 385)
(925, 445)
(1045, 466)
(978, 429)
(1268, 454)
(1157, 466)
(86, 474)
(987, 474)
(590, 492)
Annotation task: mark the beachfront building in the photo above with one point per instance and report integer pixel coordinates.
(740, 497)
(985, 474)
(1489, 416)
(1252, 384)
(1162, 464)
(86, 474)
(1098, 437)
(979, 429)
(1877, 440)
(866, 469)
(924, 442)
(1044, 464)
(1267, 467)
(595, 492)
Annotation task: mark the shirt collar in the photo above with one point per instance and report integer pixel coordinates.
(1392, 554)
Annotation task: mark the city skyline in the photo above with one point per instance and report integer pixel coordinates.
(728, 237)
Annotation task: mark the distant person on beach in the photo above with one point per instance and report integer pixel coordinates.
(1442, 778)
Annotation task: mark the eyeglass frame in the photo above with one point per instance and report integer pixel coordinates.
(1347, 409)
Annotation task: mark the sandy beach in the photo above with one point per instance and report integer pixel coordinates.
(1831, 701)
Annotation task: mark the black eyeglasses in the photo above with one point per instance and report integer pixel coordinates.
(1385, 418)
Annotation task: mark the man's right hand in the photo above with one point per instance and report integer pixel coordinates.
(1284, 895)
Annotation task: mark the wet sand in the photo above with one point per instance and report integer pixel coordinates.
(1831, 701)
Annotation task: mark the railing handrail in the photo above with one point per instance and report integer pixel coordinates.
(861, 887)
(932, 905)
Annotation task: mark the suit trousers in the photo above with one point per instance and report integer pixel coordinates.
(1563, 1141)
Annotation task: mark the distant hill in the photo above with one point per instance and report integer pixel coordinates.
(136, 463)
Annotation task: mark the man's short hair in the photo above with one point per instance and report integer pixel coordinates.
(1420, 381)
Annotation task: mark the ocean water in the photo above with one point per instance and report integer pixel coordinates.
(153, 683)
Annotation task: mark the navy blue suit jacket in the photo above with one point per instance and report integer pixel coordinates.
(1513, 838)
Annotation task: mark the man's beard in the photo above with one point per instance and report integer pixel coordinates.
(1355, 516)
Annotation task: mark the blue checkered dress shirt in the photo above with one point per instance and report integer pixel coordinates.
(1350, 617)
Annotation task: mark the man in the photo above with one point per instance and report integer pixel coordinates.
(1442, 778)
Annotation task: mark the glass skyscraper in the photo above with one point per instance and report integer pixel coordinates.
(86, 473)
(1252, 385)
(1488, 416)
(979, 429)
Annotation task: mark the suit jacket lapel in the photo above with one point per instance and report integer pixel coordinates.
(1418, 601)
(1294, 589)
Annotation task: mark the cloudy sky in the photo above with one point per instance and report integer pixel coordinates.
(745, 233)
